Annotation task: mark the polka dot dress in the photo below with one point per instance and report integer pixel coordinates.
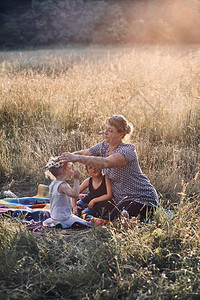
(128, 181)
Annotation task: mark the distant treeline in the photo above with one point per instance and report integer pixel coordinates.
(34, 23)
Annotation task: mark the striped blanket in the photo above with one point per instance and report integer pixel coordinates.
(26, 208)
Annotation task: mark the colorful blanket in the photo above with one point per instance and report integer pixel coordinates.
(26, 208)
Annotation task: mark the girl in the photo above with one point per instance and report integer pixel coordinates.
(60, 195)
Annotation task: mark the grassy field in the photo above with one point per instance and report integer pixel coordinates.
(57, 100)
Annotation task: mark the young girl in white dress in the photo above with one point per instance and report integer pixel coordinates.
(60, 195)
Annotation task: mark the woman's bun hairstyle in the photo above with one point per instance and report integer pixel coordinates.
(129, 129)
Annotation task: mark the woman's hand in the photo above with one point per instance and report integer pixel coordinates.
(68, 157)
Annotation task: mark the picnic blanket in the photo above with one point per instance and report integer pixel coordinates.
(28, 208)
(37, 208)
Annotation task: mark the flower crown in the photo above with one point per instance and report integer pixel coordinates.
(54, 162)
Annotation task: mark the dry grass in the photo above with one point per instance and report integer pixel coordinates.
(57, 100)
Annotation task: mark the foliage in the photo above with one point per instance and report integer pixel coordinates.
(39, 23)
(78, 22)
(113, 28)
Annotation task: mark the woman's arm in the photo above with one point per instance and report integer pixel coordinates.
(83, 152)
(114, 160)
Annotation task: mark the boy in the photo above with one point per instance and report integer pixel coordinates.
(100, 191)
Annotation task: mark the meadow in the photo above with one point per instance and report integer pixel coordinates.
(57, 100)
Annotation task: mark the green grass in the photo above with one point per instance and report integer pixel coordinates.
(56, 101)
(159, 260)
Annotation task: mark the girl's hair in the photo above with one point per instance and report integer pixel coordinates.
(54, 167)
(52, 173)
(121, 124)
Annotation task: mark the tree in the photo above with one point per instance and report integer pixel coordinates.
(67, 21)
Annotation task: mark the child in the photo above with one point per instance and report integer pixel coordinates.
(100, 191)
(60, 195)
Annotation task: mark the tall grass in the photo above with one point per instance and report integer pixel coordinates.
(58, 100)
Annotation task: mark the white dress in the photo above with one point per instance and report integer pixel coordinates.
(61, 208)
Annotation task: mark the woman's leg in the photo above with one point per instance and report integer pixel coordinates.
(147, 212)
(102, 209)
(134, 209)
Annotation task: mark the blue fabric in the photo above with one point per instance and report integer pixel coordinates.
(84, 206)
(23, 214)
(26, 200)
(22, 208)
(87, 211)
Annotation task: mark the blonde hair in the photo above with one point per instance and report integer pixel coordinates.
(122, 125)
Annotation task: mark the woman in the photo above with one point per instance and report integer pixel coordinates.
(131, 188)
